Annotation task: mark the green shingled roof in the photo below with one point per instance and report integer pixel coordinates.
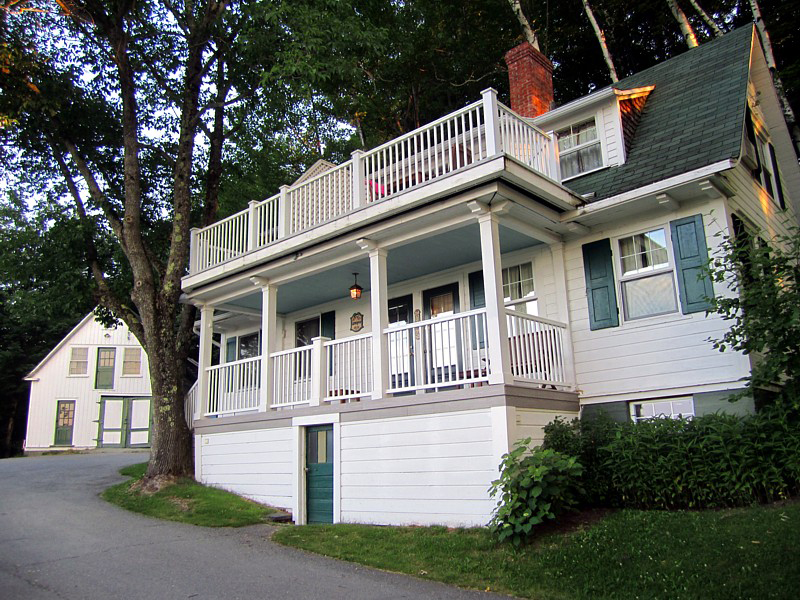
(693, 118)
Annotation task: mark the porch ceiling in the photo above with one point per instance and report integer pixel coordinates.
(439, 252)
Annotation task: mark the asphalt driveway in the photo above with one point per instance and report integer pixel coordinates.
(58, 539)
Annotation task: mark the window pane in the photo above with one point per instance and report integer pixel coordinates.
(649, 296)
(79, 361)
(132, 361)
(248, 346)
(644, 252)
(518, 282)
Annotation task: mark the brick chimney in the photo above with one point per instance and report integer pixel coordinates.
(530, 75)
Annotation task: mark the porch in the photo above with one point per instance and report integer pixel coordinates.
(439, 354)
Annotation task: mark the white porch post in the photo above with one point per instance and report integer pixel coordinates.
(491, 117)
(284, 214)
(496, 325)
(269, 333)
(319, 370)
(204, 358)
(378, 299)
(359, 190)
(560, 280)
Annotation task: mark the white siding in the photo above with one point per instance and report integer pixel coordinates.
(611, 133)
(254, 464)
(652, 356)
(530, 423)
(432, 469)
(53, 383)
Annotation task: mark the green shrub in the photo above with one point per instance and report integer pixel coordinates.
(712, 461)
(534, 486)
(583, 439)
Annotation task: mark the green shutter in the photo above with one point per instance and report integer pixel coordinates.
(477, 297)
(691, 257)
(230, 350)
(778, 183)
(600, 288)
(328, 325)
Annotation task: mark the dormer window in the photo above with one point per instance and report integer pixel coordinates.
(579, 149)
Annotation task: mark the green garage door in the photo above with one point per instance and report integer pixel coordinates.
(319, 474)
(124, 422)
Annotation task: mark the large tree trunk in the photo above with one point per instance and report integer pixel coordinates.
(171, 442)
(683, 22)
(601, 38)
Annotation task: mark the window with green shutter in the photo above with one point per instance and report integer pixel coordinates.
(600, 286)
(691, 256)
(104, 374)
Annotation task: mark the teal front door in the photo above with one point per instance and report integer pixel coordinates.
(319, 474)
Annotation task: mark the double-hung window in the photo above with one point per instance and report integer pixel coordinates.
(579, 149)
(79, 361)
(518, 289)
(646, 275)
(131, 362)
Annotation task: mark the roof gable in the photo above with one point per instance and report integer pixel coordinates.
(694, 116)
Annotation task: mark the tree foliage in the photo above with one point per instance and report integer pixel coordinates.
(764, 310)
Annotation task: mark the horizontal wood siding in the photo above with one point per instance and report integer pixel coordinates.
(610, 133)
(656, 354)
(255, 464)
(530, 423)
(54, 384)
(418, 470)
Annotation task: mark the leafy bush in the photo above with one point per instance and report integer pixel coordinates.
(534, 486)
(712, 461)
(583, 439)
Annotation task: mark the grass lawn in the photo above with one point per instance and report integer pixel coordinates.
(741, 553)
(188, 502)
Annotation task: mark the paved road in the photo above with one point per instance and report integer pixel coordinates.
(58, 539)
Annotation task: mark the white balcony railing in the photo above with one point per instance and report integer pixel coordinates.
(481, 130)
(349, 363)
(234, 386)
(537, 349)
(439, 352)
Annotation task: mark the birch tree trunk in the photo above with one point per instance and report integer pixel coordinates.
(601, 38)
(527, 30)
(683, 22)
(710, 23)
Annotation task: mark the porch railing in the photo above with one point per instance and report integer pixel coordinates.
(440, 352)
(190, 405)
(537, 349)
(234, 386)
(291, 377)
(349, 368)
(483, 129)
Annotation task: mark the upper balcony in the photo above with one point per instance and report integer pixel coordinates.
(454, 144)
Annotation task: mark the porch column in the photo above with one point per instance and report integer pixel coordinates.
(560, 280)
(319, 370)
(269, 334)
(378, 298)
(496, 325)
(204, 358)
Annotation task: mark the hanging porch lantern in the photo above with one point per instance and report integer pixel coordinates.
(355, 289)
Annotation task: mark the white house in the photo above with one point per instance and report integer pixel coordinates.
(91, 391)
(391, 326)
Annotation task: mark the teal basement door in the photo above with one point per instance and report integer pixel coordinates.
(319, 474)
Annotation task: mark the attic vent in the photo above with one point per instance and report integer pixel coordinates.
(631, 105)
